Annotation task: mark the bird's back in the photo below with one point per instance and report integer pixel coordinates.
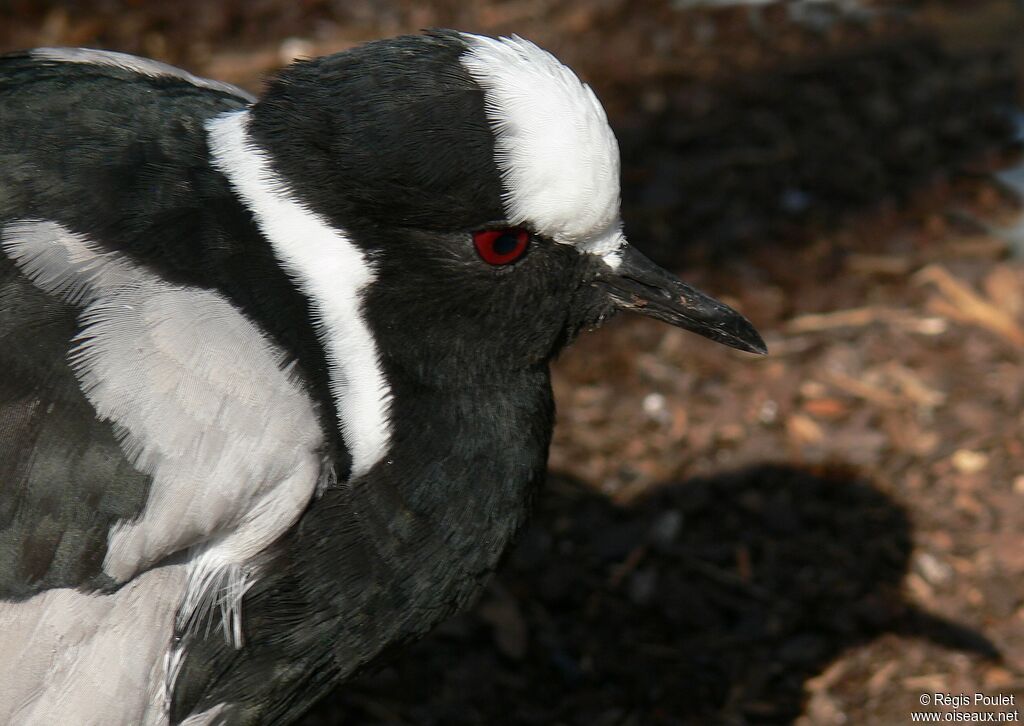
(108, 149)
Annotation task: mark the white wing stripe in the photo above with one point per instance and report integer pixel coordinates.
(201, 403)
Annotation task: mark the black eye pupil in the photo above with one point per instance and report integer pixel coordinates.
(501, 246)
(506, 243)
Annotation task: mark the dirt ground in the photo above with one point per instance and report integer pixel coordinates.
(819, 536)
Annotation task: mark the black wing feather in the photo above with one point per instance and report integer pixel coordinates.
(63, 478)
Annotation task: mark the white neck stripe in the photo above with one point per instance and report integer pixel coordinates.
(329, 268)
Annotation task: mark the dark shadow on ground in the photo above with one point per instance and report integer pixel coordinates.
(711, 602)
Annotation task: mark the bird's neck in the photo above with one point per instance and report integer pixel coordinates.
(415, 538)
(456, 484)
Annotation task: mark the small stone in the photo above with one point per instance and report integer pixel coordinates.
(654, 405)
(642, 586)
(966, 461)
(666, 528)
(932, 569)
(769, 412)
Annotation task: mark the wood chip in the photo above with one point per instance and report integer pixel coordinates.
(827, 408)
(813, 389)
(930, 682)
(999, 677)
(913, 387)
(919, 588)
(829, 677)
(803, 429)
(627, 566)
(882, 677)
(879, 264)
(861, 317)
(1004, 286)
(969, 305)
(817, 322)
(866, 391)
(985, 247)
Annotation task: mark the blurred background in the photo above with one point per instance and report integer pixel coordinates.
(816, 537)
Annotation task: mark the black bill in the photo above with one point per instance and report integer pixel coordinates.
(639, 285)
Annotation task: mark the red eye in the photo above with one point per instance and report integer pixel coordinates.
(501, 246)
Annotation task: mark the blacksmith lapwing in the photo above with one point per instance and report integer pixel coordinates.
(274, 389)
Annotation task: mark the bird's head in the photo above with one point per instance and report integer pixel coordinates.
(479, 179)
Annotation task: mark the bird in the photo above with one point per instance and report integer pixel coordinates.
(276, 394)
